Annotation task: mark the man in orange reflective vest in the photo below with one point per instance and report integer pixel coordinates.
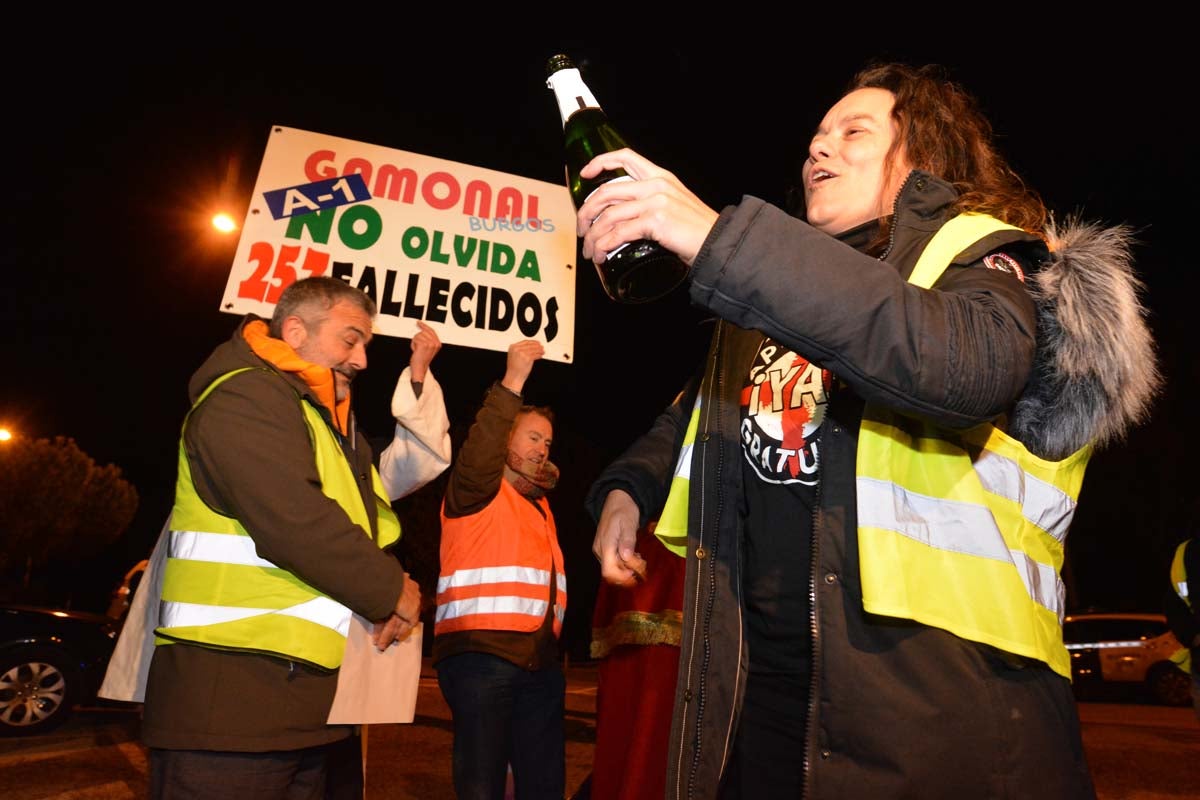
(501, 597)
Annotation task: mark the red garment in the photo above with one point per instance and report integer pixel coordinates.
(635, 631)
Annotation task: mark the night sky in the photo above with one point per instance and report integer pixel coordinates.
(124, 144)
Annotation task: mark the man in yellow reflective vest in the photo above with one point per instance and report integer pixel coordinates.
(1183, 610)
(277, 537)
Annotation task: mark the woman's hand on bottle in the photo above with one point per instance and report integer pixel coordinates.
(653, 205)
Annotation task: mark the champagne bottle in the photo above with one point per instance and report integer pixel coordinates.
(635, 272)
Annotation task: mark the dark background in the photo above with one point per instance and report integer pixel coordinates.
(120, 146)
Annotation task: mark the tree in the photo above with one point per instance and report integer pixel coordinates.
(56, 502)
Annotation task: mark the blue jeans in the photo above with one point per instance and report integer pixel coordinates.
(503, 715)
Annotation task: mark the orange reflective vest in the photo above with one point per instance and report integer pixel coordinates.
(496, 567)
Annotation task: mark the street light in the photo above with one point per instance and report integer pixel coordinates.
(224, 223)
(5, 435)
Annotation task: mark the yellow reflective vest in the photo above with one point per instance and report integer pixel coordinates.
(960, 530)
(1179, 582)
(218, 592)
(672, 527)
(965, 530)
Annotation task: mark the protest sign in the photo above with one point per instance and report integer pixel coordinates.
(484, 257)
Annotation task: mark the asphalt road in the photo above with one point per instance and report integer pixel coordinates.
(1137, 752)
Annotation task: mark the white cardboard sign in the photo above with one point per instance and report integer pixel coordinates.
(484, 257)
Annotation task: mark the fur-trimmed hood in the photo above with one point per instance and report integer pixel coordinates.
(1096, 370)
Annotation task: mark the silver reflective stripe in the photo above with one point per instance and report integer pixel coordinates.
(1182, 588)
(1104, 645)
(222, 548)
(483, 575)
(320, 610)
(955, 527)
(1043, 504)
(1042, 583)
(683, 465)
(562, 582)
(491, 605)
(944, 524)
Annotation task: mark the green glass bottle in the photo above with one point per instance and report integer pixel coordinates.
(636, 272)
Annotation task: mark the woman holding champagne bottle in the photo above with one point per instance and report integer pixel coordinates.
(873, 473)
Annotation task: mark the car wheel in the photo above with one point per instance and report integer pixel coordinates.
(37, 688)
(1169, 685)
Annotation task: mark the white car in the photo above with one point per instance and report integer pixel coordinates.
(1125, 649)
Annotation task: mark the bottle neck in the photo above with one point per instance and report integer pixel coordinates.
(571, 93)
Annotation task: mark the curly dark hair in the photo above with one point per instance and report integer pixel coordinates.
(944, 132)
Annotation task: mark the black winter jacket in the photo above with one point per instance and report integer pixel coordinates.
(897, 709)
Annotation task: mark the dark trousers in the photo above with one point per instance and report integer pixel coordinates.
(768, 751)
(344, 778)
(276, 775)
(503, 715)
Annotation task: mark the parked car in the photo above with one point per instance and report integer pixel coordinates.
(50, 662)
(1114, 651)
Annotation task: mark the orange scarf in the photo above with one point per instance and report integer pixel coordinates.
(320, 379)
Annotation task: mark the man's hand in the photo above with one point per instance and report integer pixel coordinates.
(403, 619)
(521, 356)
(616, 540)
(425, 345)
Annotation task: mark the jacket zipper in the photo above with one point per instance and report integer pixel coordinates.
(895, 217)
(811, 745)
(810, 722)
(715, 383)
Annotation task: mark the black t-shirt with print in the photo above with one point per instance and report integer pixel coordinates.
(783, 404)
